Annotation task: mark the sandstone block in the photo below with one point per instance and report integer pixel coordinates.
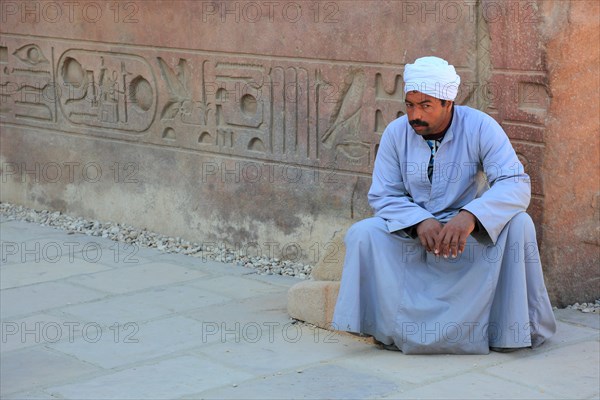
(313, 302)
(330, 266)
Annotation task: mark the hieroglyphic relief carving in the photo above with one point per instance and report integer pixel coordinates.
(242, 103)
(186, 111)
(347, 113)
(181, 103)
(244, 84)
(225, 138)
(107, 90)
(389, 100)
(4, 94)
(291, 92)
(26, 84)
(343, 132)
(384, 92)
(32, 55)
(312, 113)
(168, 134)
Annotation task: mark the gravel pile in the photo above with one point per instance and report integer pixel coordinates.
(586, 307)
(142, 237)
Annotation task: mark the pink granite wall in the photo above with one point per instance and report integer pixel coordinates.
(546, 55)
(571, 165)
(237, 122)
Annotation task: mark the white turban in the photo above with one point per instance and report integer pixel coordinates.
(432, 76)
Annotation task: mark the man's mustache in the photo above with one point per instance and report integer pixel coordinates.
(418, 122)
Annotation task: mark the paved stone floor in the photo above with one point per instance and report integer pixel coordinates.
(87, 318)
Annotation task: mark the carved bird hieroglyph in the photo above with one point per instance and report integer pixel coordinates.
(177, 86)
(349, 108)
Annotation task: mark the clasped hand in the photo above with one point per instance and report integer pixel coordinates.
(446, 240)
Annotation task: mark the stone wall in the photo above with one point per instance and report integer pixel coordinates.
(571, 165)
(255, 125)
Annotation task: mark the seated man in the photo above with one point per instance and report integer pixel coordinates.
(449, 263)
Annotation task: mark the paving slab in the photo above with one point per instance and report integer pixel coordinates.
(591, 320)
(570, 371)
(569, 333)
(284, 348)
(188, 260)
(237, 287)
(24, 369)
(131, 343)
(44, 271)
(472, 385)
(333, 382)
(263, 310)
(36, 330)
(54, 249)
(274, 279)
(146, 305)
(168, 379)
(43, 296)
(137, 277)
(17, 231)
(115, 254)
(203, 263)
(415, 369)
(30, 395)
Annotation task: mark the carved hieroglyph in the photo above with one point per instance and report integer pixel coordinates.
(313, 113)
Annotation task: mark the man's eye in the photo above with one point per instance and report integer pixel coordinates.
(409, 106)
(426, 106)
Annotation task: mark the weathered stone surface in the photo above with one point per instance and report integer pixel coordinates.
(192, 134)
(314, 302)
(330, 266)
(541, 53)
(571, 247)
(256, 124)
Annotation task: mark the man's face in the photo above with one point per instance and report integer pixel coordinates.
(426, 114)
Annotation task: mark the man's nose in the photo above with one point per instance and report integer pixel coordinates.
(416, 114)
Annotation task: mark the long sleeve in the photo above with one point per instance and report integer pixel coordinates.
(510, 188)
(388, 195)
